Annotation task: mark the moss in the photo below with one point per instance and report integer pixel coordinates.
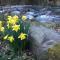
(51, 25)
(54, 53)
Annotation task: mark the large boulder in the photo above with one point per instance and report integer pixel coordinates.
(43, 38)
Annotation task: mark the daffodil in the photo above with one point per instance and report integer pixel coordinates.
(0, 23)
(5, 37)
(12, 20)
(24, 18)
(16, 28)
(15, 17)
(11, 38)
(2, 29)
(9, 17)
(22, 36)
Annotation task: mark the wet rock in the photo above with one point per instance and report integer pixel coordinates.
(42, 39)
(48, 18)
(30, 15)
(15, 13)
(44, 18)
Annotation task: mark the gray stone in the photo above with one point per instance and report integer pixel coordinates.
(15, 13)
(30, 15)
(48, 18)
(42, 39)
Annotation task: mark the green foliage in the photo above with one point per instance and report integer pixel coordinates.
(2, 17)
(11, 56)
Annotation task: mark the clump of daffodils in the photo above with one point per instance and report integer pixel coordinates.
(16, 29)
(12, 20)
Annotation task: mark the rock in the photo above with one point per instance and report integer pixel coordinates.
(30, 15)
(42, 39)
(58, 30)
(15, 13)
(48, 18)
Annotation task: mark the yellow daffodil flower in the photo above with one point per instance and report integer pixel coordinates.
(9, 17)
(22, 36)
(11, 38)
(15, 17)
(2, 29)
(0, 23)
(24, 18)
(5, 37)
(12, 21)
(16, 28)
